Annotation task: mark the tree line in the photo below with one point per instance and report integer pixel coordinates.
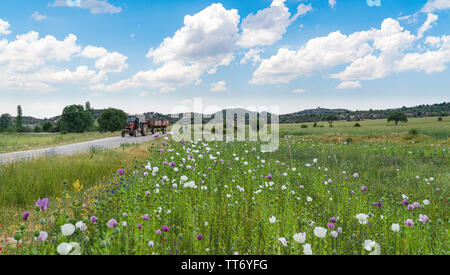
(74, 119)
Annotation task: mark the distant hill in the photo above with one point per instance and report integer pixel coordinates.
(310, 115)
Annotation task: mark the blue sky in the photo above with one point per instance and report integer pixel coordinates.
(153, 55)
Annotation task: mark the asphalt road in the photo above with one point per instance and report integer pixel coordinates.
(69, 149)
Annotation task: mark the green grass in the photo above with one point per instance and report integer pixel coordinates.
(429, 126)
(11, 142)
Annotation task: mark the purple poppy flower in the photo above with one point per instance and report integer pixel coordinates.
(356, 175)
(147, 193)
(146, 217)
(330, 225)
(405, 202)
(424, 218)
(364, 188)
(25, 215)
(111, 223)
(199, 237)
(94, 219)
(165, 228)
(339, 230)
(333, 220)
(172, 164)
(158, 232)
(43, 204)
(165, 162)
(121, 172)
(411, 207)
(409, 222)
(269, 176)
(140, 226)
(42, 236)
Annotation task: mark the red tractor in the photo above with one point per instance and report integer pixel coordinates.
(138, 124)
(135, 124)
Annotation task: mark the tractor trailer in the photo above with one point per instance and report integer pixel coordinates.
(139, 124)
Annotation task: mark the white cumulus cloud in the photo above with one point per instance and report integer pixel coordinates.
(4, 26)
(38, 17)
(267, 26)
(435, 5)
(219, 86)
(349, 85)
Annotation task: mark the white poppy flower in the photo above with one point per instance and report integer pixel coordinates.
(395, 227)
(320, 232)
(69, 249)
(68, 229)
(307, 249)
(283, 241)
(272, 219)
(362, 218)
(300, 237)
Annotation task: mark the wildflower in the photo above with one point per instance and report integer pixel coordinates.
(121, 172)
(269, 176)
(112, 223)
(370, 245)
(405, 202)
(272, 219)
(300, 237)
(43, 204)
(158, 232)
(333, 220)
(334, 234)
(68, 229)
(424, 218)
(330, 225)
(409, 222)
(77, 187)
(362, 218)
(165, 228)
(42, 236)
(69, 249)
(94, 219)
(364, 188)
(151, 243)
(81, 225)
(146, 217)
(184, 178)
(307, 249)
(283, 241)
(426, 202)
(309, 199)
(139, 226)
(200, 237)
(356, 175)
(395, 227)
(320, 232)
(25, 215)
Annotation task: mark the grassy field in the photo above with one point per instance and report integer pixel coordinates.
(429, 126)
(11, 142)
(341, 189)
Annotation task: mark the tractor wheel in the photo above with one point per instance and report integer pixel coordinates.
(144, 131)
(164, 130)
(152, 130)
(123, 134)
(133, 134)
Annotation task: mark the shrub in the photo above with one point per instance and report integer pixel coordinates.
(357, 125)
(413, 132)
(304, 126)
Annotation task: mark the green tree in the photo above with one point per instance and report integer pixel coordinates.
(37, 129)
(331, 118)
(112, 120)
(5, 121)
(47, 126)
(19, 119)
(397, 117)
(75, 119)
